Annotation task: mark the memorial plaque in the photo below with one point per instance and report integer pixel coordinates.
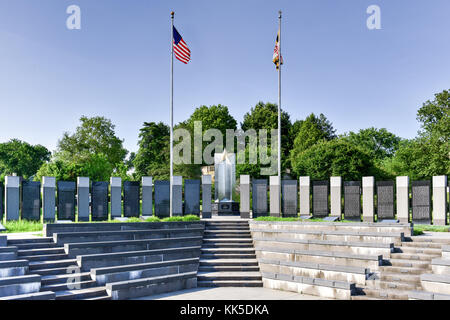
(99, 200)
(66, 200)
(162, 198)
(192, 197)
(31, 200)
(289, 202)
(259, 198)
(131, 197)
(352, 200)
(421, 201)
(385, 200)
(320, 191)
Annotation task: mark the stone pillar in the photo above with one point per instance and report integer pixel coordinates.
(274, 191)
(440, 200)
(305, 206)
(12, 197)
(83, 198)
(116, 197)
(245, 196)
(402, 186)
(177, 193)
(368, 185)
(147, 196)
(48, 198)
(206, 196)
(336, 196)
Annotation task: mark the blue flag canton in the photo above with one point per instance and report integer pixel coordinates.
(176, 36)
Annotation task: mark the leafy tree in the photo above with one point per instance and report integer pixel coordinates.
(334, 158)
(379, 143)
(21, 158)
(94, 136)
(94, 166)
(265, 116)
(153, 156)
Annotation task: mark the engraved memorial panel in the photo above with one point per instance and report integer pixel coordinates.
(31, 200)
(66, 200)
(99, 200)
(192, 197)
(421, 201)
(259, 198)
(131, 197)
(385, 200)
(352, 200)
(320, 191)
(162, 199)
(289, 198)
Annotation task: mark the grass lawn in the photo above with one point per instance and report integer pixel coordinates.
(420, 228)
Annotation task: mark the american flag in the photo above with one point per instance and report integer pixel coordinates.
(180, 48)
(275, 58)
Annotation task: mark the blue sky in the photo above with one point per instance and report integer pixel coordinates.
(118, 64)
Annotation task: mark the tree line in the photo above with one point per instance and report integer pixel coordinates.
(310, 147)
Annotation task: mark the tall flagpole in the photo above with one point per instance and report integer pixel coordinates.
(171, 118)
(279, 107)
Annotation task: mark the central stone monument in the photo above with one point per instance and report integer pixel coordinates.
(224, 182)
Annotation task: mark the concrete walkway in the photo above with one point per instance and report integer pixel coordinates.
(229, 293)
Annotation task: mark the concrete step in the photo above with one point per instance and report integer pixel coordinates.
(218, 241)
(386, 294)
(379, 284)
(230, 283)
(428, 240)
(228, 262)
(43, 245)
(226, 245)
(229, 276)
(410, 263)
(418, 250)
(13, 242)
(396, 277)
(105, 297)
(63, 278)
(50, 271)
(81, 294)
(402, 270)
(46, 257)
(227, 236)
(13, 268)
(45, 295)
(215, 268)
(69, 286)
(39, 265)
(361, 297)
(227, 227)
(228, 250)
(228, 256)
(422, 244)
(19, 285)
(41, 251)
(415, 257)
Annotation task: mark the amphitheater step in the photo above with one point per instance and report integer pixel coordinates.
(229, 276)
(81, 293)
(377, 284)
(415, 257)
(410, 263)
(46, 257)
(416, 250)
(227, 268)
(228, 256)
(422, 244)
(402, 270)
(51, 271)
(395, 277)
(68, 286)
(13, 242)
(41, 251)
(62, 278)
(229, 283)
(228, 251)
(43, 245)
(38, 265)
(387, 294)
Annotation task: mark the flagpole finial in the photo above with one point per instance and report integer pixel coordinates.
(279, 13)
(172, 14)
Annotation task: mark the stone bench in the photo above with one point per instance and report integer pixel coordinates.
(436, 283)
(44, 295)
(13, 268)
(88, 262)
(313, 286)
(406, 229)
(422, 295)
(150, 286)
(356, 275)
(8, 253)
(95, 236)
(13, 286)
(143, 270)
(85, 248)
(50, 229)
(321, 257)
(362, 248)
(349, 236)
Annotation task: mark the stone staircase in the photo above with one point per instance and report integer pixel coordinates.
(50, 261)
(401, 273)
(227, 257)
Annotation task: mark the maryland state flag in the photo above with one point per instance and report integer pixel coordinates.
(276, 52)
